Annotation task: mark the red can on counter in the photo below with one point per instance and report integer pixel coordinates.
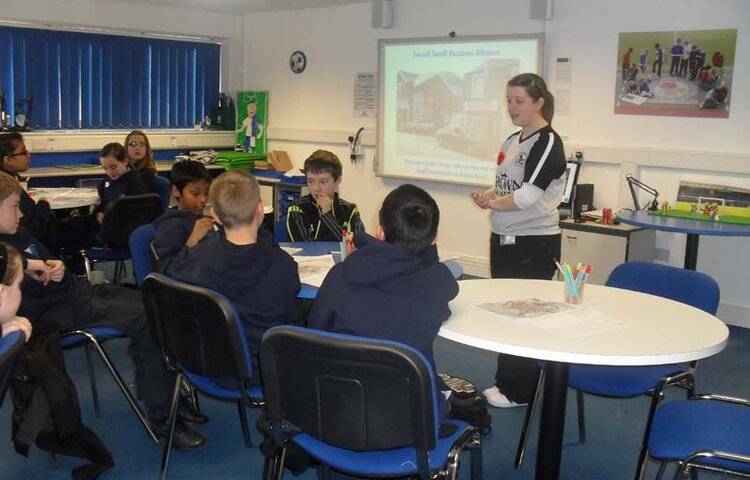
(607, 216)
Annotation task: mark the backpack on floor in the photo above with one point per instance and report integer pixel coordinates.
(46, 410)
(466, 403)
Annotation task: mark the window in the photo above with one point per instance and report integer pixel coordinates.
(91, 81)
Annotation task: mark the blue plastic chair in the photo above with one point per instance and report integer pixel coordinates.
(202, 339)
(10, 346)
(140, 251)
(685, 286)
(280, 233)
(163, 189)
(706, 432)
(121, 217)
(363, 407)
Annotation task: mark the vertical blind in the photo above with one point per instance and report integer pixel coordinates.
(90, 81)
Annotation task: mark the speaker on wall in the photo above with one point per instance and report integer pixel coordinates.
(542, 9)
(382, 13)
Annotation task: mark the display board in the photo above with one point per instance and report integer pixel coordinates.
(441, 104)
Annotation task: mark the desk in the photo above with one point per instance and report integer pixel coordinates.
(94, 170)
(640, 330)
(311, 249)
(62, 198)
(693, 228)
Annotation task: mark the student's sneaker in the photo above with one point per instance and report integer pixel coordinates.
(496, 398)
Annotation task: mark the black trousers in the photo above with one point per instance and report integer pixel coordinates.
(122, 308)
(531, 257)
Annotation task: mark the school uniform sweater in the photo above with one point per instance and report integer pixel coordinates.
(260, 280)
(386, 291)
(172, 229)
(305, 223)
(36, 216)
(130, 183)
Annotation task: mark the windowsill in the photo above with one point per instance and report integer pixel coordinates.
(51, 141)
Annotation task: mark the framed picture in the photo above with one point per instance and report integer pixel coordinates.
(686, 73)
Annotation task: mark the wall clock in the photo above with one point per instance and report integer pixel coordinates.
(298, 62)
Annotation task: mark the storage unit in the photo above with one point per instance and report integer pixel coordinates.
(605, 246)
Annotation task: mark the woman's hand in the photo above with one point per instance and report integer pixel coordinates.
(481, 199)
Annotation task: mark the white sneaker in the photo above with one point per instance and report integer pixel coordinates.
(496, 398)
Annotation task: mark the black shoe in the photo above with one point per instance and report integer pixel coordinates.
(184, 437)
(187, 413)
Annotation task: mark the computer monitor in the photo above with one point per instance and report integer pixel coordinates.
(572, 170)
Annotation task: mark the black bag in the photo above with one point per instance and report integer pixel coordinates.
(466, 403)
(46, 410)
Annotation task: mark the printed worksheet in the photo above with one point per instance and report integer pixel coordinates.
(525, 308)
(313, 270)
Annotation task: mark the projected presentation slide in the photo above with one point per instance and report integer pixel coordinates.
(442, 112)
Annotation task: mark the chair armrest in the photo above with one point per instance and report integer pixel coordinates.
(721, 398)
(716, 454)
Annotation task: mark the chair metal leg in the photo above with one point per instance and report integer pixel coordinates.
(51, 460)
(243, 424)
(92, 382)
(170, 434)
(581, 417)
(521, 450)
(660, 472)
(477, 472)
(120, 383)
(278, 464)
(656, 399)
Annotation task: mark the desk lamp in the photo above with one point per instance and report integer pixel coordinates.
(633, 183)
(22, 114)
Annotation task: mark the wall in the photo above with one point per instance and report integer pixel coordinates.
(313, 110)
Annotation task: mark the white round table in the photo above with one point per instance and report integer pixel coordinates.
(611, 327)
(61, 198)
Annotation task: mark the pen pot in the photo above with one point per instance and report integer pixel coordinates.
(573, 294)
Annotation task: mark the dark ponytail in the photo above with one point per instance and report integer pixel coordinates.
(536, 89)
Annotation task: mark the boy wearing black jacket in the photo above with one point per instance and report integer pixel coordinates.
(185, 225)
(259, 278)
(55, 301)
(393, 286)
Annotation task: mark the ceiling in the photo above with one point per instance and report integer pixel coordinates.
(240, 7)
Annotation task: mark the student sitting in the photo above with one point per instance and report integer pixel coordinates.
(393, 287)
(56, 301)
(322, 215)
(11, 275)
(185, 225)
(80, 231)
(38, 218)
(141, 158)
(259, 278)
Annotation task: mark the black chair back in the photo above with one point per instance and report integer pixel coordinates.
(10, 346)
(349, 392)
(125, 214)
(198, 329)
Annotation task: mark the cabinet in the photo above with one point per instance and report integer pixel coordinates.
(605, 246)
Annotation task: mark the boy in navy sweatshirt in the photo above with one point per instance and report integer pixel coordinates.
(185, 225)
(393, 286)
(55, 301)
(259, 278)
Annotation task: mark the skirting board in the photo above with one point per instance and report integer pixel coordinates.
(730, 314)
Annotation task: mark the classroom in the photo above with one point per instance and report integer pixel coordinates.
(313, 110)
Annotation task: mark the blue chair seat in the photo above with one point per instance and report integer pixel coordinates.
(99, 254)
(375, 463)
(619, 382)
(683, 427)
(209, 386)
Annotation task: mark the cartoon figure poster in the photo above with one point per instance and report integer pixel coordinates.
(686, 73)
(252, 119)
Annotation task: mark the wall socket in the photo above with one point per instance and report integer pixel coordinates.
(576, 152)
(173, 142)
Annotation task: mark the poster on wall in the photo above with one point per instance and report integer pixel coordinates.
(686, 73)
(252, 116)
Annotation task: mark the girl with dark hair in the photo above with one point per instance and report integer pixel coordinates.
(11, 275)
(525, 239)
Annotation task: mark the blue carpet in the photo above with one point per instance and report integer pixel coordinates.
(614, 426)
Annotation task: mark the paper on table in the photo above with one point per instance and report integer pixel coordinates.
(312, 270)
(526, 308)
(291, 250)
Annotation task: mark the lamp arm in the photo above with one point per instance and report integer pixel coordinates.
(634, 182)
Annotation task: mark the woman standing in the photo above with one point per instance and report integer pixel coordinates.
(141, 158)
(525, 237)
